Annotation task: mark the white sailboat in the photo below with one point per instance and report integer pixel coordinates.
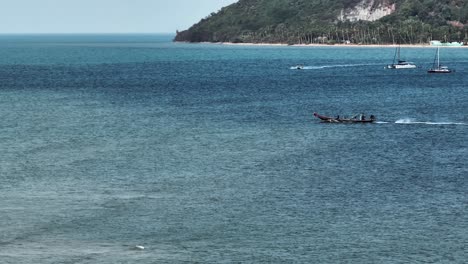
(398, 63)
(436, 67)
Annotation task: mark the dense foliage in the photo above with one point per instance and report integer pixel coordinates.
(316, 21)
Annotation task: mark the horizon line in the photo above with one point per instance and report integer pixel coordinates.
(87, 33)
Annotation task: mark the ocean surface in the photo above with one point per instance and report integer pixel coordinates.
(207, 153)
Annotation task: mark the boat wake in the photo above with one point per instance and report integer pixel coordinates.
(328, 66)
(411, 121)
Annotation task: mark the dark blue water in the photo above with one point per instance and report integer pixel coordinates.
(210, 153)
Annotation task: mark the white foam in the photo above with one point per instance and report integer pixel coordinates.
(445, 123)
(413, 121)
(405, 121)
(329, 66)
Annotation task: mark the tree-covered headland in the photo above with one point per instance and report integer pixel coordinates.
(333, 21)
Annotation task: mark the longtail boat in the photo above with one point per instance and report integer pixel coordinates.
(355, 119)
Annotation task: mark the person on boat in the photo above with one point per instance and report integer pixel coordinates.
(372, 117)
(337, 117)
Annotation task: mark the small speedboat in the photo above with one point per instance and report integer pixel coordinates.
(356, 119)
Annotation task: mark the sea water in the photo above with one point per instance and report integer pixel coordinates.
(207, 153)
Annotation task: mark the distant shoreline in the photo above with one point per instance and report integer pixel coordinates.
(330, 45)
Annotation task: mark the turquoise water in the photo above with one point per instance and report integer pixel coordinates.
(210, 153)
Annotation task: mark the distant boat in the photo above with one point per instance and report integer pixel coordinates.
(436, 67)
(398, 63)
(356, 119)
(299, 67)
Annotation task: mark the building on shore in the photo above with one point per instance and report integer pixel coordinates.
(449, 44)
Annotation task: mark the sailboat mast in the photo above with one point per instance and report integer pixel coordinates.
(398, 53)
(438, 62)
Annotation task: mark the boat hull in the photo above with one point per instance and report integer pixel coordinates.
(399, 66)
(328, 119)
(439, 71)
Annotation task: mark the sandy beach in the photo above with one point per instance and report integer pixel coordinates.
(337, 45)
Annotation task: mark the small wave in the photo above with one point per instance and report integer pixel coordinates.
(381, 122)
(413, 121)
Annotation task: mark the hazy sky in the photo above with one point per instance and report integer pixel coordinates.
(103, 16)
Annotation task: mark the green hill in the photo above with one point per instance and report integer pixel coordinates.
(333, 21)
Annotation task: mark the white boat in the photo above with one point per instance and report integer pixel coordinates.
(400, 64)
(436, 67)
